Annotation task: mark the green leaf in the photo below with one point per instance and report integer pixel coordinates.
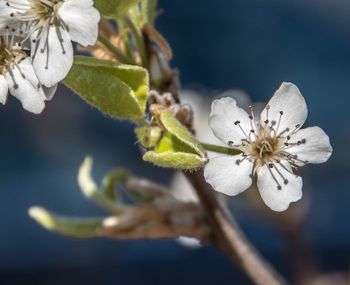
(178, 160)
(177, 147)
(90, 189)
(173, 126)
(80, 228)
(114, 8)
(115, 89)
(148, 136)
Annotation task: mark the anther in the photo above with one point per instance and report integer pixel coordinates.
(237, 122)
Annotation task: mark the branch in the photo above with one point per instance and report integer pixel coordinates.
(229, 238)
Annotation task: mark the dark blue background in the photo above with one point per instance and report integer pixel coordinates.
(251, 45)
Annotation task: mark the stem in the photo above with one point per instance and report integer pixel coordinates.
(139, 41)
(121, 57)
(229, 238)
(220, 149)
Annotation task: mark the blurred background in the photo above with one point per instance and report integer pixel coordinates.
(218, 45)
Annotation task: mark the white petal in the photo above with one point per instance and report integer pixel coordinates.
(80, 3)
(224, 114)
(5, 18)
(269, 180)
(24, 85)
(314, 148)
(229, 174)
(82, 22)
(287, 99)
(52, 59)
(49, 92)
(3, 90)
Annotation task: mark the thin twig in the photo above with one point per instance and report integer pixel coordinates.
(229, 238)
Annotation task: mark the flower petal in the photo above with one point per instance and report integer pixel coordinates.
(49, 92)
(82, 21)
(52, 57)
(288, 100)
(314, 148)
(228, 174)
(279, 186)
(4, 88)
(224, 114)
(5, 15)
(24, 85)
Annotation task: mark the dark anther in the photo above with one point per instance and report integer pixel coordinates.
(251, 117)
(270, 165)
(237, 122)
(279, 187)
(288, 137)
(238, 162)
(252, 131)
(230, 142)
(286, 144)
(266, 121)
(281, 112)
(285, 181)
(303, 141)
(298, 142)
(297, 126)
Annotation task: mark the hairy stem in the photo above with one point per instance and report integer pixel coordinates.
(120, 56)
(229, 238)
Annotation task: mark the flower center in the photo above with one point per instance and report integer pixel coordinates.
(43, 9)
(9, 55)
(37, 11)
(264, 146)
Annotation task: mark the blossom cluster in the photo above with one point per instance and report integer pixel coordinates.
(36, 50)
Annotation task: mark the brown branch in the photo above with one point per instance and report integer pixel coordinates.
(163, 219)
(228, 237)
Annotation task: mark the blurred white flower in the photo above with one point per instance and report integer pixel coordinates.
(51, 25)
(272, 147)
(18, 78)
(181, 188)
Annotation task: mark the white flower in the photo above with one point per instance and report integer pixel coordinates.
(51, 25)
(271, 147)
(17, 77)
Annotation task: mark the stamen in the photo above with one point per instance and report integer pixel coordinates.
(279, 187)
(238, 123)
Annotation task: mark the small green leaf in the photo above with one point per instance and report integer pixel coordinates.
(178, 160)
(148, 136)
(173, 126)
(80, 228)
(115, 89)
(177, 147)
(114, 8)
(92, 191)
